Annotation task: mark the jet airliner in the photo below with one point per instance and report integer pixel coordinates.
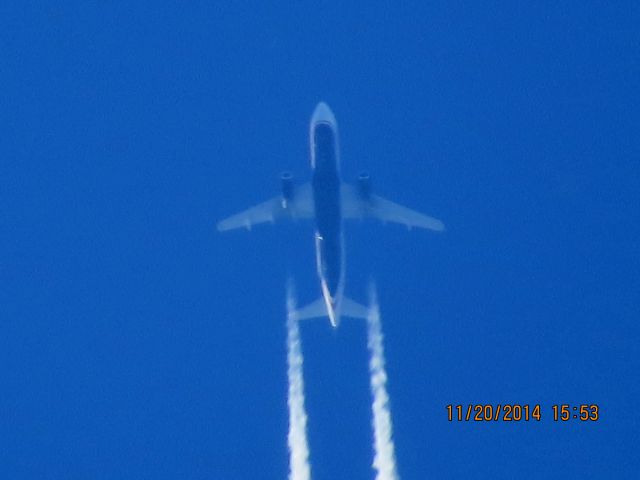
(329, 201)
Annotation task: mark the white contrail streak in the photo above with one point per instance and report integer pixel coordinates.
(297, 439)
(384, 460)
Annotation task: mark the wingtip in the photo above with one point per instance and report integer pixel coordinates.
(434, 224)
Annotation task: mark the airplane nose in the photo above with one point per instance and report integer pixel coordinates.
(323, 113)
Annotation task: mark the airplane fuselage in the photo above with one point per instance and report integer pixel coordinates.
(326, 194)
(329, 201)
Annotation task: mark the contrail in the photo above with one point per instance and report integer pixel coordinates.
(384, 460)
(297, 439)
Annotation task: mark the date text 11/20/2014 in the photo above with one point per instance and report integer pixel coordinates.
(513, 412)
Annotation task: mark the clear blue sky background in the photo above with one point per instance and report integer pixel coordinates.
(137, 342)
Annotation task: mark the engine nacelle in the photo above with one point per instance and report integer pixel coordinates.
(286, 181)
(364, 185)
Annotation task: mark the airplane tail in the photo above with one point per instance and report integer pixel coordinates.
(318, 309)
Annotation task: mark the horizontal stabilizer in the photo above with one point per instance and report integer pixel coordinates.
(317, 309)
(350, 308)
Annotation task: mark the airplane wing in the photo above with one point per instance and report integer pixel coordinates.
(355, 205)
(300, 206)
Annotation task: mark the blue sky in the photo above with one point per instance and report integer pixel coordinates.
(137, 342)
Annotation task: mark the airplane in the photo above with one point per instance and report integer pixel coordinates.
(329, 201)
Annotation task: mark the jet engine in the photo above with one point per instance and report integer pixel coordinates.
(286, 181)
(364, 185)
